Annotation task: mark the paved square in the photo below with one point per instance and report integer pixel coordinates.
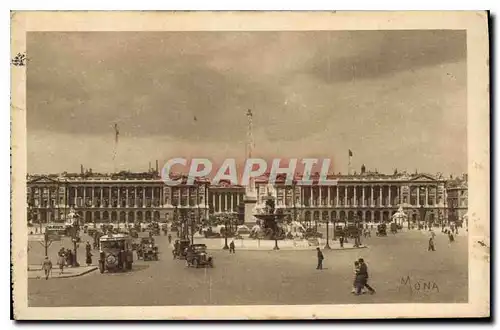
(401, 270)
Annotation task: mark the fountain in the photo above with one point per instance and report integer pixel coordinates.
(270, 220)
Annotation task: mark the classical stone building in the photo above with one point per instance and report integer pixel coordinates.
(457, 193)
(129, 197)
(116, 198)
(370, 197)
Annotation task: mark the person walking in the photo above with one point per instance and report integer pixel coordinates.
(231, 247)
(341, 240)
(47, 267)
(61, 260)
(169, 239)
(356, 285)
(88, 258)
(363, 272)
(320, 258)
(431, 244)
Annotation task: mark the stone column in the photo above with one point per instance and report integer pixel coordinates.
(101, 203)
(427, 196)
(311, 197)
(119, 201)
(84, 196)
(390, 202)
(363, 196)
(143, 197)
(220, 202)
(346, 190)
(232, 201)
(381, 197)
(355, 195)
(372, 201)
(320, 201)
(328, 202)
(127, 200)
(337, 199)
(135, 196)
(418, 195)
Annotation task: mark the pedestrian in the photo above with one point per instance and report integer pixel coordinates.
(450, 237)
(341, 240)
(61, 261)
(320, 259)
(88, 248)
(355, 282)
(69, 254)
(363, 272)
(169, 239)
(231, 247)
(47, 267)
(431, 244)
(88, 258)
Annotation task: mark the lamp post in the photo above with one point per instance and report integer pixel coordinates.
(192, 226)
(226, 219)
(327, 246)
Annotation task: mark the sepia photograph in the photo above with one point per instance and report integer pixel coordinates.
(226, 165)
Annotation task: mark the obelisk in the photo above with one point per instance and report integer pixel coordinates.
(250, 199)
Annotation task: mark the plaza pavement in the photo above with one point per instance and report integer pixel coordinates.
(396, 264)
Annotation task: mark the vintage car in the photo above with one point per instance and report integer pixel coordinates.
(180, 248)
(312, 233)
(394, 228)
(197, 256)
(147, 250)
(133, 233)
(154, 228)
(382, 230)
(115, 252)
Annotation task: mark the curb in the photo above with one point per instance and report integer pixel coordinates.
(296, 249)
(69, 276)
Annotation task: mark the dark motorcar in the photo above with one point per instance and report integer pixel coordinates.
(312, 233)
(394, 228)
(115, 252)
(154, 228)
(180, 248)
(133, 233)
(382, 230)
(147, 250)
(197, 256)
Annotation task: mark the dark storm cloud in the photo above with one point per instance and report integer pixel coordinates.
(370, 54)
(155, 83)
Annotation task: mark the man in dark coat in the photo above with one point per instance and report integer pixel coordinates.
(320, 259)
(363, 272)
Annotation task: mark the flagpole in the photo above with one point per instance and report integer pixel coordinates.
(349, 162)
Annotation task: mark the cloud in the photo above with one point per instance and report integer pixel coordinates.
(311, 92)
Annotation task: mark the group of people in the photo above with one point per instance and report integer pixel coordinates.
(449, 233)
(360, 274)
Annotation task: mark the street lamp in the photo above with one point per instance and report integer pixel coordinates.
(192, 226)
(226, 219)
(327, 246)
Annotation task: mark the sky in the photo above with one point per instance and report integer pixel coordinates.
(397, 99)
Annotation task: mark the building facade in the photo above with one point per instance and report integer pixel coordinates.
(113, 198)
(457, 193)
(369, 197)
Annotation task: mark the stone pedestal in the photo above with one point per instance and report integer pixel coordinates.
(250, 203)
